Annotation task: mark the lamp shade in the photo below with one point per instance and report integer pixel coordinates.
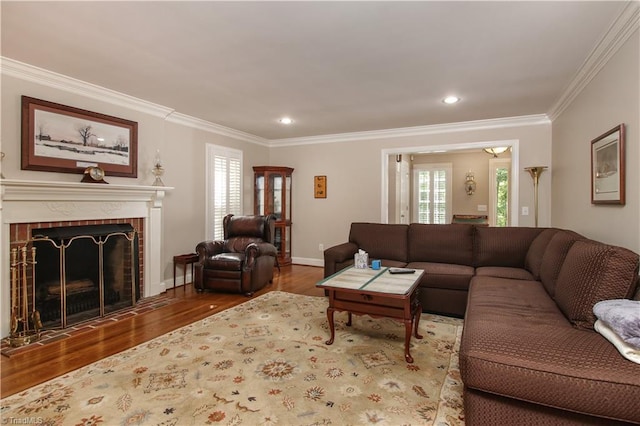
(495, 151)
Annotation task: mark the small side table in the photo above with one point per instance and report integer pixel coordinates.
(184, 260)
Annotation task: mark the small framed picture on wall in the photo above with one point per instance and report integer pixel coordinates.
(320, 186)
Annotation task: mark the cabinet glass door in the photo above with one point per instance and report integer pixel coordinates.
(259, 193)
(275, 181)
(287, 244)
(288, 198)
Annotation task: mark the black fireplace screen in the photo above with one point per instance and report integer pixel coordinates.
(84, 272)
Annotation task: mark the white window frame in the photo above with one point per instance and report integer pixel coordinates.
(212, 215)
(448, 169)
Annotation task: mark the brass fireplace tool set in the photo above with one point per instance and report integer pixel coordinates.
(25, 319)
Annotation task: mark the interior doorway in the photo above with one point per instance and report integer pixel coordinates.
(397, 186)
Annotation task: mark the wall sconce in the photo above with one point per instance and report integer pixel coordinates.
(470, 183)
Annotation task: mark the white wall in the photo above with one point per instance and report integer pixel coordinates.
(182, 149)
(353, 171)
(611, 97)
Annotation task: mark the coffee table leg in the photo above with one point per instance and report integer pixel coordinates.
(408, 325)
(417, 320)
(331, 325)
(348, 319)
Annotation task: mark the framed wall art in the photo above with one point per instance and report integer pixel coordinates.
(608, 167)
(320, 186)
(60, 138)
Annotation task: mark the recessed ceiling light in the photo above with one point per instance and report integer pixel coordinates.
(285, 120)
(451, 100)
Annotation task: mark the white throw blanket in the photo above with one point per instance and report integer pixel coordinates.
(619, 322)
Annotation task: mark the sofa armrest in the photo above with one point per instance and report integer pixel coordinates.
(336, 255)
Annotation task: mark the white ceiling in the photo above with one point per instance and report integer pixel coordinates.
(335, 67)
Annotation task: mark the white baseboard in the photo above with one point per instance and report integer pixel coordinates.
(308, 261)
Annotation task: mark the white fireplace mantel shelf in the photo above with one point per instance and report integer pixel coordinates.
(27, 201)
(39, 201)
(13, 189)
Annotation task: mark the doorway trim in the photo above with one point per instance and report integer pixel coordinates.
(426, 149)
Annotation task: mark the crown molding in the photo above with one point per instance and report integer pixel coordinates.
(465, 126)
(52, 79)
(618, 33)
(207, 126)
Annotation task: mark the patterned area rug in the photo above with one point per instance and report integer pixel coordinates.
(263, 363)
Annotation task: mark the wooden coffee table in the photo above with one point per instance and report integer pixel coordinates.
(376, 293)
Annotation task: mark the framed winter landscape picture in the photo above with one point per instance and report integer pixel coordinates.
(60, 138)
(608, 167)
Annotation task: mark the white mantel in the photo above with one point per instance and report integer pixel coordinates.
(25, 201)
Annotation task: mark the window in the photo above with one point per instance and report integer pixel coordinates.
(432, 193)
(224, 187)
(499, 172)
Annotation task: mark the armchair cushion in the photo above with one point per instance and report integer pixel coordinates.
(225, 261)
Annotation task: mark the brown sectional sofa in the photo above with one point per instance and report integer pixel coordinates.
(529, 353)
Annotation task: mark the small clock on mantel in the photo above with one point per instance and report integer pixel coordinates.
(94, 174)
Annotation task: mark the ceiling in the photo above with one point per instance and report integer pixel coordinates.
(334, 67)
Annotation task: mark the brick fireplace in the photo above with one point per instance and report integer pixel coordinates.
(27, 206)
(83, 285)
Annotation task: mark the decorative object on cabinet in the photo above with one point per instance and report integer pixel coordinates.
(608, 167)
(320, 186)
(94, 174)
(60, 138)
(273, 196)
(475, 219)
(157, 170)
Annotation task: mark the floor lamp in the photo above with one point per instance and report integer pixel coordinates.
(535, 173)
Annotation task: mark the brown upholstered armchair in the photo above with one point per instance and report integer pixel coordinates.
(243, 262)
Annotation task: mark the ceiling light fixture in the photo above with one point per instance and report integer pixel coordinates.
(285, 120)
(451, 100)
(495, 151)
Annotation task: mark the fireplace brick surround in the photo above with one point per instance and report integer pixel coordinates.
(27, 205)
(20, 234)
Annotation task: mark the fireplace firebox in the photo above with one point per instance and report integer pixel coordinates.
(84, 272)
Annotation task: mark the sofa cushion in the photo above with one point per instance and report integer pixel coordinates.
(451, 243)
(533, 261)
(380, 240)
(505, 272)
(444, 275)
(516, 342)
(554, 256)
(592, 272)
(503, 246)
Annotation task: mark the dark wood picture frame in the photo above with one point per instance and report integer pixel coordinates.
(60, 138)
(320, 187)
(608, 167)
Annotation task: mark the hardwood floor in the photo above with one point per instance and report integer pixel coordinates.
(54, 359)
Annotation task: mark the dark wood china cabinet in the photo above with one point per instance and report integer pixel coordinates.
(273, 196)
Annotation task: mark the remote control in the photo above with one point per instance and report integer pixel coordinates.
(401, 271)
